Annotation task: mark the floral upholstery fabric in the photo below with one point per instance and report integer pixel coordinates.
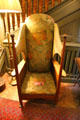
(38, 83)
(39, 41)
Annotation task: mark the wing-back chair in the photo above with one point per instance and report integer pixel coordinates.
(38, 74)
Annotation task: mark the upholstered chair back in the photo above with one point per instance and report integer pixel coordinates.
(39, 42)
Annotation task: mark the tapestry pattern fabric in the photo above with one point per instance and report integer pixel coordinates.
(41, 83)
(39, 40)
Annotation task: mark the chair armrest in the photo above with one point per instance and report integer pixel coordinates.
(56, 66)
(20, 67)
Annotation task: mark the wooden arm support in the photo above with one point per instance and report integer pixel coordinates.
(21, 70)
(56, 66)
(20, 67)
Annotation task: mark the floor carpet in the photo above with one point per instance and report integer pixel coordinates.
(36, 110)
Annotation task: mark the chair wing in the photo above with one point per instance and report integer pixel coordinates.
(21, 42)
(58, 67)
(57, 45)
(58, 49)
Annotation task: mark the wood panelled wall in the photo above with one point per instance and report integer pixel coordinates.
(37, 6)
(72, 28)
(11, 21)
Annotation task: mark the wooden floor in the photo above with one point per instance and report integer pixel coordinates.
(69, 95)
(9, 92)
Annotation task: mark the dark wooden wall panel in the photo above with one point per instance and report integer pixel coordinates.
(53, 3)
(40, 6)
(46, 5)
(23, 10)
(29, 7)
(18, 19)
(35, 6)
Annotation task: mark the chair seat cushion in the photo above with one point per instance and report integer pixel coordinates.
(38, 83)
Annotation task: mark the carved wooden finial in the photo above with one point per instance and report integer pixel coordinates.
(64, 35)
(12, 35)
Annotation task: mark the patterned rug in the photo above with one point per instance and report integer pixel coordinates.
(36, 110)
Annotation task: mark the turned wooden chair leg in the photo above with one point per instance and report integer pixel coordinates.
(21, 104)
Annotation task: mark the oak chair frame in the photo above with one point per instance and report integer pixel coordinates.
(20, 76)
